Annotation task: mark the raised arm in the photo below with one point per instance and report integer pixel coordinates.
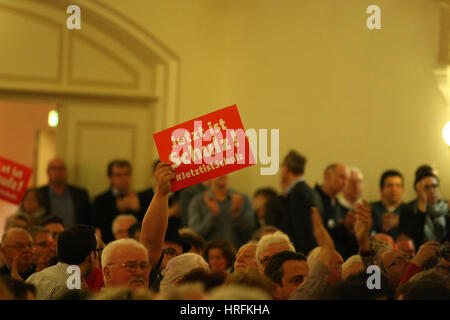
(154, 224)
(316, 282)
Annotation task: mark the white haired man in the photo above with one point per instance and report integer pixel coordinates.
(351, 266)
(121, 224)
(179, 266)
(125, 263)
(246, 257)
(269, 245)
(352, 192)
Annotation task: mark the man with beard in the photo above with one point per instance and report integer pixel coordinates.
(77, 253)
(17, 247)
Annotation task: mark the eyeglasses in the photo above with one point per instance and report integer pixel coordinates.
(55, 234)
(171, 252)
(430, 187)
(264, 260)
(131, 266)
(21, 246)
(44, 244)
(400, 260)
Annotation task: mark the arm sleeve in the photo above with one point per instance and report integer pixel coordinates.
(300, 218)
(411, 270)
(245, 222)
(201, 219)
(314, 284)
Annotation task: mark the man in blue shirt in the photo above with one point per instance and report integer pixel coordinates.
(221, 213)
(63, 200)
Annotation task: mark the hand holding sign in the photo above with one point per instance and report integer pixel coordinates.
(206, 147)
(164, 174)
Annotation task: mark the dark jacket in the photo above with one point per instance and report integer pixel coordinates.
(295, 218)
(80, 198)
(412, 223)
(104, 210)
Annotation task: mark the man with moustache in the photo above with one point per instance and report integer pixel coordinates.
(125, 263)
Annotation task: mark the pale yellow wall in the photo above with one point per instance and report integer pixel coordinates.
(19, 124)
(336, 91)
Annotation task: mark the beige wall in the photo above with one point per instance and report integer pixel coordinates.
(19, 124)
(336, 90)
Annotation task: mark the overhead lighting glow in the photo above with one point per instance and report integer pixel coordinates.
(446, 133)
(53, 118)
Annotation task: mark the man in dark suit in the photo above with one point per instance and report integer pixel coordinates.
(295, 218)
(63, 200)
(334, 179)
(119, 199)
(426, 218)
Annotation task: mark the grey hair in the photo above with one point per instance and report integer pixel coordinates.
(180, 265)
(123, 217)
(312, 255)
(380, 249)
(185, 291)
(350, 261)
(238, 292)
(355, 170)
(110, 247)
(269, 239)
(431, 275)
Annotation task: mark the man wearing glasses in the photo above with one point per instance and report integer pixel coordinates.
(395, 264)
(17, 245)
(173, 246)
(77, 255)
(125, 263)
(44, 247)
(427, 218)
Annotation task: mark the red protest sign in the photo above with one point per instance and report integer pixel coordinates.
(205, 147)
(14, 179)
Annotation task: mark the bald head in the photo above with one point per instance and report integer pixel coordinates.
(335, 178)
(354, 186)
(17, 242)
(14, 233)
(57, 172)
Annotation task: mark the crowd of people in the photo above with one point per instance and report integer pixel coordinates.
(209, 241)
